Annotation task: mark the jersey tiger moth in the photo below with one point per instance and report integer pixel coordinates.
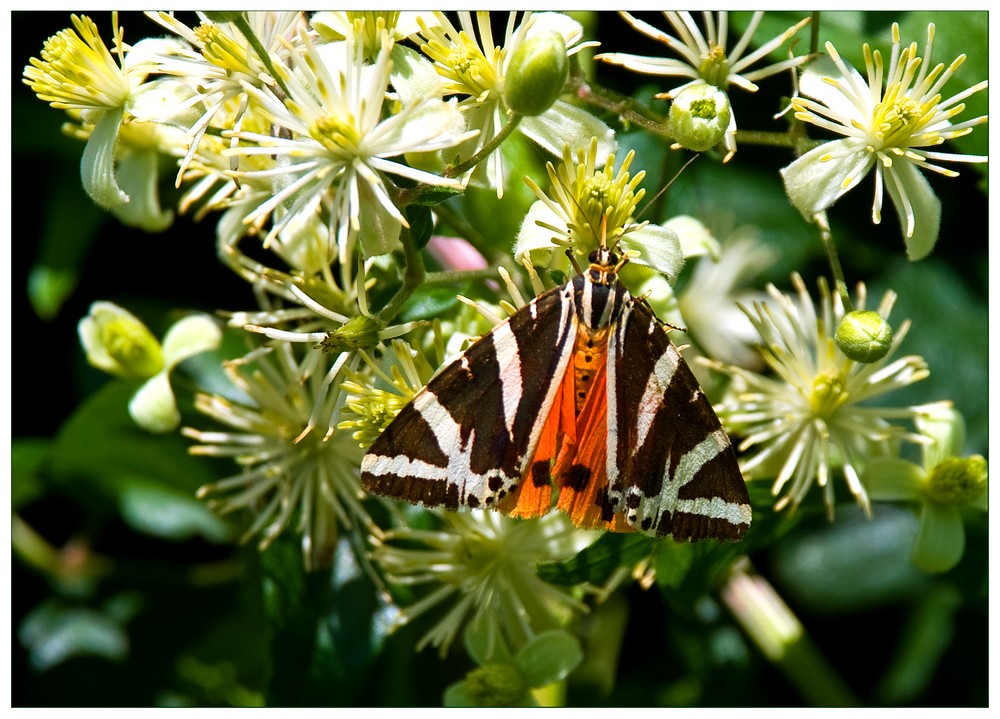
(579, 399)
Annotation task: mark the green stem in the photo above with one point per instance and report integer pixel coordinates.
(779, 635)
(243, 25)
(627, 109)
(448, 277)
(831, 253)
(486, 150)
(413, 277)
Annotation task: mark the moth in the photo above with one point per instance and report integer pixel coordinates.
(579, 400)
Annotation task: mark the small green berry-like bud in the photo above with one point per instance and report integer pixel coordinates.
(864, 336)
(359, 332)
(957, 480)
(117, 342)
(495, 685)
(536, 74)
(699, 116)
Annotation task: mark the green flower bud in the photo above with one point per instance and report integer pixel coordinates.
(864, 336)
(536, 74)
(699, 116)
(360, 332)
(495, 685)
(957, 480)
(117, 342)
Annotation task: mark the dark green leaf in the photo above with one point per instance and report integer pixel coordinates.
(596, 563)
(428, 302)
(101, 444)
(852, 564)
(431, 195)
(295, 603)
(27, 457)
(421, 225)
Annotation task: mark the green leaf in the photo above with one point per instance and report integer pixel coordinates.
(431, 195)
(853, 564)
(164, 512)
(328, 627)
(596, 563)
(421, 225)
(295, 603)
(101, 444)
(27, 458)
(549, 657)
(428, 302)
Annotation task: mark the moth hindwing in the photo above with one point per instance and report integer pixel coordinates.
(580, 401)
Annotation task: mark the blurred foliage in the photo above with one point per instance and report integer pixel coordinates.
(126, 591)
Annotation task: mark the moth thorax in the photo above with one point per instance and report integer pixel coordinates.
(603, 268)
(597, 302)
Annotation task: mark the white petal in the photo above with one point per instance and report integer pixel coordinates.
(188, 337)
(532, 237)
(658, 247)
(564, 124)
(139, 177)
(812, 84)
(153, 407)
(918, 207)
(413, 75)
(97, 166)
(813, 184)
(695, 238)
(543, 22)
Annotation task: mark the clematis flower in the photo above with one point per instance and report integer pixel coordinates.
(889, 120)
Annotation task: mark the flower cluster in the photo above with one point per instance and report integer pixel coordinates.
(336, 152)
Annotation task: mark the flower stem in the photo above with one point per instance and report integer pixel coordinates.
(413, 277)
(627, 109)
(780, 636)
(486, 150)
(836, 270)
(243, 25)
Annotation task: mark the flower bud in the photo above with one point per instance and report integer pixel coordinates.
(359, 332)
(495, 685)
(117, 342)
(864, 336)
(537, 74)
(957, 480)
(699, 116)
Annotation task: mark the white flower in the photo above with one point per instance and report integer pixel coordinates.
(587, 199)
(710, 60)
(888, 121)
(482, 564)
(117, 342)
(477, 69)
(281, 419)
(78, 74)
(808, 419)
(334, 145)
(222, 60)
